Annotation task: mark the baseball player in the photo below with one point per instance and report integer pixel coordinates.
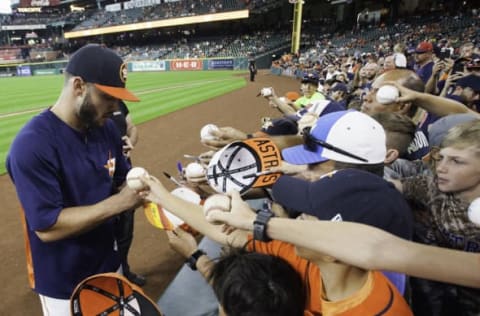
(68, 166)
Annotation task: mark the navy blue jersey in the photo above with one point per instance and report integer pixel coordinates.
(54, 167)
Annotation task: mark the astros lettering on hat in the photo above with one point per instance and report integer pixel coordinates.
(101, 66)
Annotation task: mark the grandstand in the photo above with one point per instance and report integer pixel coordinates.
(34, 34)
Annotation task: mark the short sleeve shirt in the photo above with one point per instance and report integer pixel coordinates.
(54, 167)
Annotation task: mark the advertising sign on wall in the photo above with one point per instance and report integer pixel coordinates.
(220, 64)
(148, 65)
(24, 70)
(186, 64)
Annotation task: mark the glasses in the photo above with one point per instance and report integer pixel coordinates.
(310, 143)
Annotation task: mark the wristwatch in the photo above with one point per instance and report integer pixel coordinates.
(191, 261)
(260, 225)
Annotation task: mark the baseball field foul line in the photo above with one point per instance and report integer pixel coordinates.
(141, 92)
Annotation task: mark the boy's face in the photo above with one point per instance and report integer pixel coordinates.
(458, 170)
(308, 89)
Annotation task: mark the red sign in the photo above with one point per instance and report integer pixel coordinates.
(38, 3)
(186, 64)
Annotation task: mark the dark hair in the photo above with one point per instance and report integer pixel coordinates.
(399, 128)
(255, 284)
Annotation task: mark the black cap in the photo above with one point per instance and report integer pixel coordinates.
(311, 78)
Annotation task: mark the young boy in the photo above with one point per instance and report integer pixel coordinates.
(441, 204)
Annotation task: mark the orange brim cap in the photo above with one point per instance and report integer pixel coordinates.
(117, 92)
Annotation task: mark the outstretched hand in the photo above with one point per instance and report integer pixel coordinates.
(154, 189)
(224, 136)
(240, 216)
(182, 242)
(406, 94)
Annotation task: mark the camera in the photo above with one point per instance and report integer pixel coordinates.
(459, 65)
(444, 53)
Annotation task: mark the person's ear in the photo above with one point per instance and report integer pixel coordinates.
(79, 86)
(391, 156)
(404, 108)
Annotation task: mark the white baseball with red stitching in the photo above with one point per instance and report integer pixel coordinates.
(133, 178)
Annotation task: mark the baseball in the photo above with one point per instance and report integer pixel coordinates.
(217, 202)
(194, 170)
(133, 178)
(387, 94)
(206, 132)
(474, 211)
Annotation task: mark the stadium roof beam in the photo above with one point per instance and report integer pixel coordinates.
(207, 18)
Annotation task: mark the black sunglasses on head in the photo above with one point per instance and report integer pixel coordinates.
(310, 143)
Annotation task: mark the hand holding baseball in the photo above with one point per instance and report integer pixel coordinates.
(240, 215)
(133, 178)
(208, 132)
(195, 172)
(405, 94)
(387, 94)
(216, 203)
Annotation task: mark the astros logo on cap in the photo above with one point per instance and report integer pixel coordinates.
(242, 165)
(123, 72)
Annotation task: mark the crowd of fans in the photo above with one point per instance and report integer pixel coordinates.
(388, 139)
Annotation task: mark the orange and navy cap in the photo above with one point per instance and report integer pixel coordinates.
(101, 66)
(110, 294)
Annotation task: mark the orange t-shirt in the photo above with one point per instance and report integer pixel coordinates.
(376, 297)
(309, 272)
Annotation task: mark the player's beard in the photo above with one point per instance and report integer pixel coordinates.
(87, 112)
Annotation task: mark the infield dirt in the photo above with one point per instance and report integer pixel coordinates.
(163, 142)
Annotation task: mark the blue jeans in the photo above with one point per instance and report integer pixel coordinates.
(189, 294)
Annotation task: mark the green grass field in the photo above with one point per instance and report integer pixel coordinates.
(160, 93)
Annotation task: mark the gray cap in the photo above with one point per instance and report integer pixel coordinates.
(438, 130)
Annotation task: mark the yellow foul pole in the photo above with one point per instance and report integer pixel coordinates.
(297, 25)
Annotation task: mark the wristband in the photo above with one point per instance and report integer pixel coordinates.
(260, 225)
(191, 261)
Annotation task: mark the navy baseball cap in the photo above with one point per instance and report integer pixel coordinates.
(340, 87)
(345, 136)
(470, 81)
(103, 67)
(350, 195)
(311, 78)
(286, 125)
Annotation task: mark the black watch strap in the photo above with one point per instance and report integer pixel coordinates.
(260, 225)
(191, 261)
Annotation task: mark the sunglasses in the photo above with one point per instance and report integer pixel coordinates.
(310, 143)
